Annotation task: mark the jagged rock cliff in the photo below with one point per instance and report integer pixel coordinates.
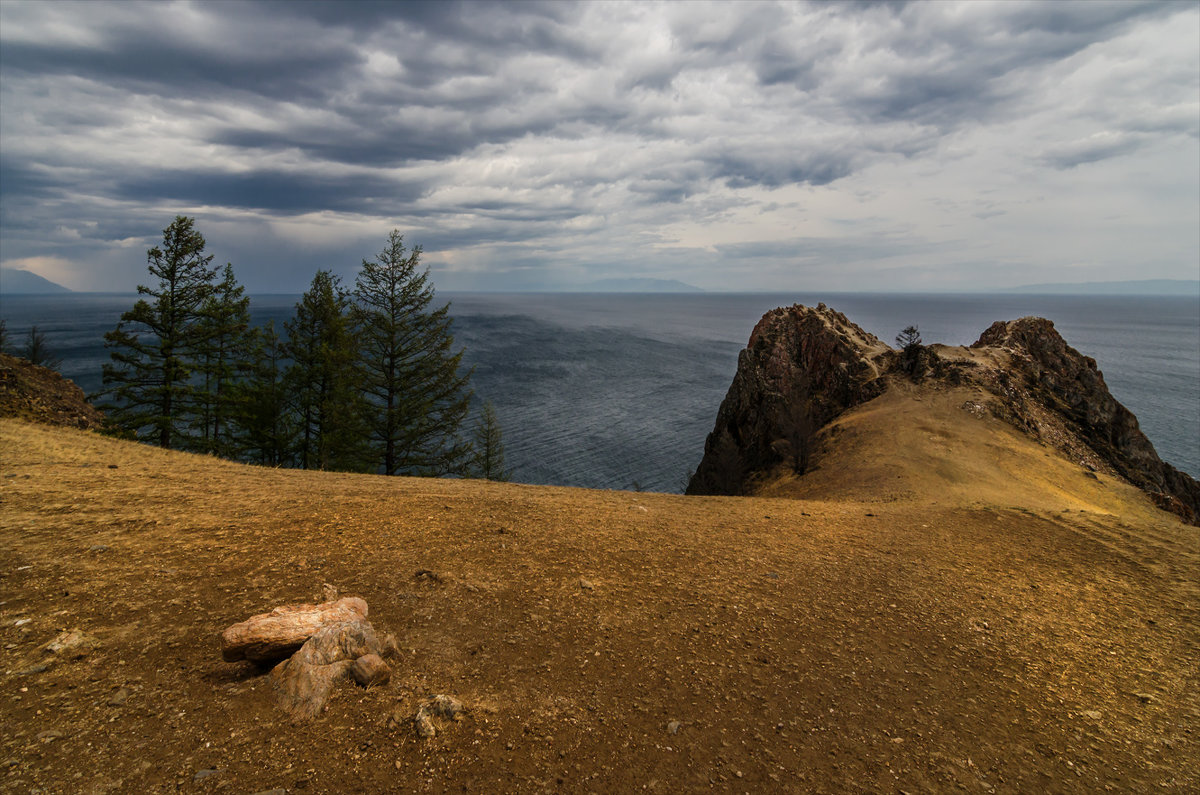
(801, 369)
(804, 367)
(1069, 384)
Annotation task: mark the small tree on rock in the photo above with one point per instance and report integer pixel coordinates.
(38, 352)
(911, 352)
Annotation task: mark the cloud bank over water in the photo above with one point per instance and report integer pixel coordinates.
(746, 146)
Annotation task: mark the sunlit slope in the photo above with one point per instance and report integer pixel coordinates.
(944, 446)
(603, 641)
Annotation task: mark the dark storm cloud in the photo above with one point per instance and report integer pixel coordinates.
(285, 192)
(561, 127)
(170, 64)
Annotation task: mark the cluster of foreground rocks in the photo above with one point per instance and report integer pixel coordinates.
(314, 647)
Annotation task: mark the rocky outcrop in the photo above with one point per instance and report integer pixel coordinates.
(31, 392)
(801, 368)
(337, 653)
(1069, 383)
(273, 636)
(317, 646)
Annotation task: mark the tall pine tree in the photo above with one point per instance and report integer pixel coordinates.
(149, 381)
(418, 397)
(265, 421)
(222, 362)
(322, 379)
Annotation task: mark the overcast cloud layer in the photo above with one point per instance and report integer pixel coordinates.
(735, 146)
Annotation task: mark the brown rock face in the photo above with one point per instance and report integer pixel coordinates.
(801, 368)
(268, 637)
(35, 393)
(1069, 383)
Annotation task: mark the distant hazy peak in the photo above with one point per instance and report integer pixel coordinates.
(14, 281)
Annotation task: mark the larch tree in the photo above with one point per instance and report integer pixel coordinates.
(489, 446)
(266, 427)
(149, 380)
(323, 381)
(418, 396)
(223, 358)
(38, 351)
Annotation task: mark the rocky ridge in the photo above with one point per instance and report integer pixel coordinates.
(31, 392)
(804, 366)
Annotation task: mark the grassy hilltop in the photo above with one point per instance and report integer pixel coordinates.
(939, 637)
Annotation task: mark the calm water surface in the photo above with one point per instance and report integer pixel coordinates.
(619, 391)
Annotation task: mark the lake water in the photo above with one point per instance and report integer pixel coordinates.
(619, 391)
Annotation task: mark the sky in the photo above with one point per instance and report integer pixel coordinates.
(735, 146)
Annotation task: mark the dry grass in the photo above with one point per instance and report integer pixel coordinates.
(980, 639)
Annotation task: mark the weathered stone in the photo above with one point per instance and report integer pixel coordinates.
(391, 647)
(37, 668)
(272, 636)
(119, 698)
(370, 670)
(437, 707)
(444, 707)
(71, 645)
(304, 682)
(423, 725)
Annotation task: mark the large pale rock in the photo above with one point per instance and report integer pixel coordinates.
(272, 636)
(304, 682)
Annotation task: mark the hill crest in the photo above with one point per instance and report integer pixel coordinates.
(804, 367)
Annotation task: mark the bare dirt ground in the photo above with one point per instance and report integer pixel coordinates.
(601, 641)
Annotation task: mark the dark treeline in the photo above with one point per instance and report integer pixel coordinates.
(360, 379)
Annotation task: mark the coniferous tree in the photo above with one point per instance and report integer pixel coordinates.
(322, 379)
(266, 425)
(223, 358)
(149, 381)
(38, 352)
(418, 398)
(489, 446)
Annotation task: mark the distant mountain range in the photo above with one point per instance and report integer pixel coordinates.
(1136, 287)
(15, 281)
